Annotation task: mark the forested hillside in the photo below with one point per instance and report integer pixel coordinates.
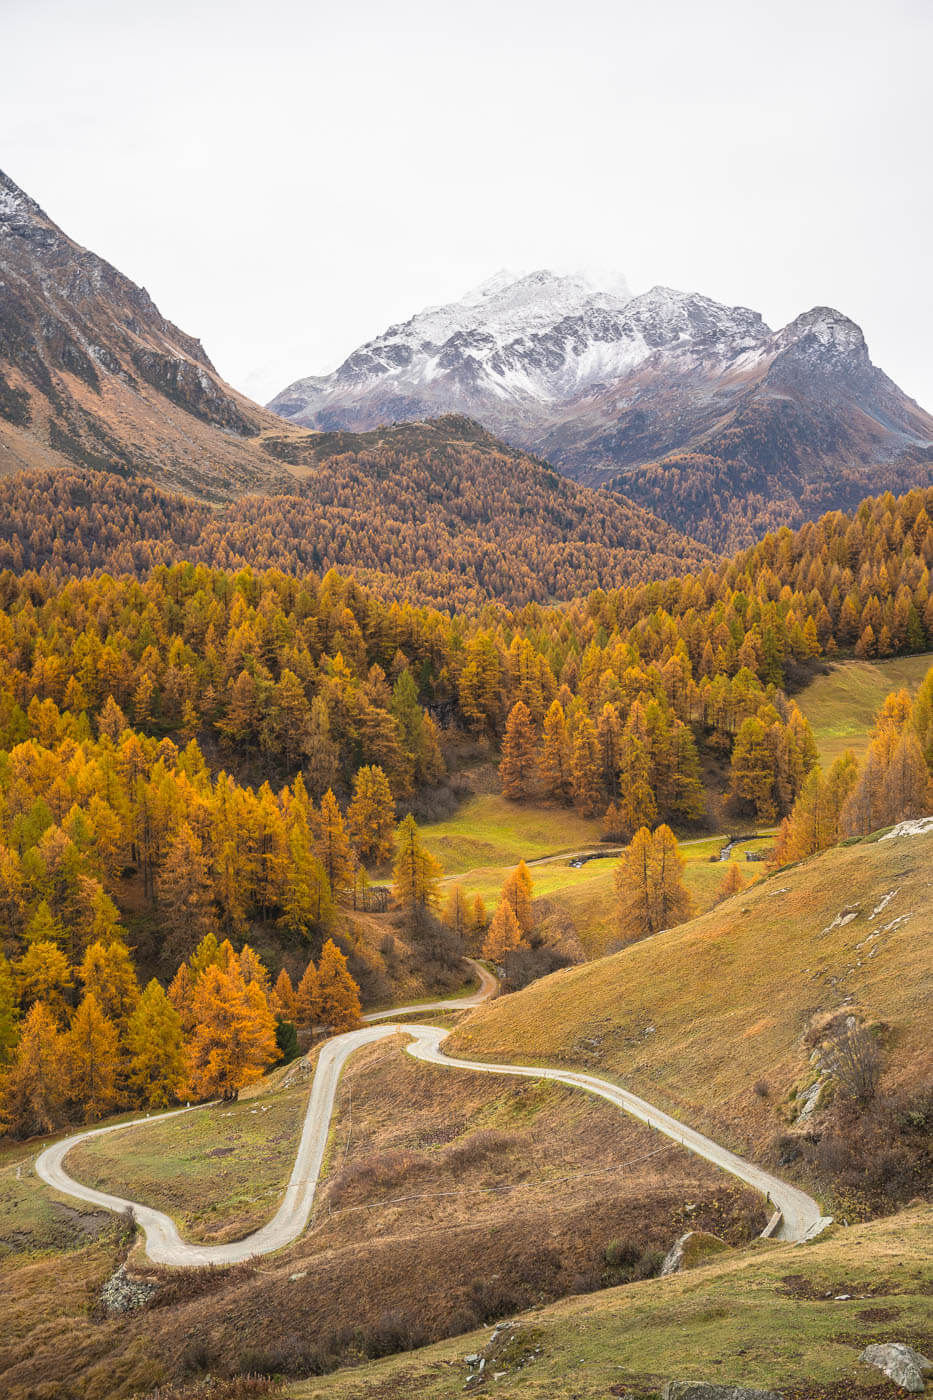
(438, 513)
(724, 494)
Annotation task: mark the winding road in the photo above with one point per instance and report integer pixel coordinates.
(801, 1217)
(488, 986)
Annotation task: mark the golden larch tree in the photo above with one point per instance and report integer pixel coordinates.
(504, 934)
(33, 1092)
(371, 814)
(332, 846)
(555, 755)
(732, 882)
(416, 874)
(283, 997)
(457, 914)
(185, 893)
(338, 994)
(518, 892)
(585, 767)
(650, 891)
(108, 973)
(519, 766)
(234, 1033)
(92, 1060)
(308, 998)
(181, 996)
(42, 974)
(156, 1050)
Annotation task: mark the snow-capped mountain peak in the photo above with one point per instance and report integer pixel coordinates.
(598, 380)
(507, 308)
(538, 339)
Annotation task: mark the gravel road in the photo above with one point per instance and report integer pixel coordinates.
(801, 1217)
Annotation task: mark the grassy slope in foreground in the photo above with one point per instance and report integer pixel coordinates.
(841, 705)
(756, 1318)
(693, 1018)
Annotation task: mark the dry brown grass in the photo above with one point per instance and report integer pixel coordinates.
(695, 1017)
(518, 1191)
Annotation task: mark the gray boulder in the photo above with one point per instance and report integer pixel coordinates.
(900, 1363)
(702, 1390)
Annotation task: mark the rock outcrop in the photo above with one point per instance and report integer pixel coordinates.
(900, 1363)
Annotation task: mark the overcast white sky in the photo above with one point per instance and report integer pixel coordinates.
(288, 178)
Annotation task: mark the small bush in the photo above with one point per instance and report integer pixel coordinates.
(480, 1147)
(394, 1331)
(181, 1285)
(243, 1387)
(491, 1299)
(627, 1262)
(763, 1088)
(855, 1063)
(197, 1358)
(379, 1172)
(622, 1254)
(876, 1158)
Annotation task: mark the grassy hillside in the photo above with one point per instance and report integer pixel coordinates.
(768, 1316)
(219, 1172)
(488, 831)
(841, 704)
(484, 1196)
(695, 1017)
(489, 835)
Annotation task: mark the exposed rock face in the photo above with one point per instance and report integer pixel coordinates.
(123, 1293)
(91, 373)
(603, 384)
(691, 1250)
(900, 1363)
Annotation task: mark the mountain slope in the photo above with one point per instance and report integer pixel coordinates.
(91, 375)
(90, 372)
(431, 512)
(697, 1015)
(605, 385)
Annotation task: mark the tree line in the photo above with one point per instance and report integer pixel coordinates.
(894, 783)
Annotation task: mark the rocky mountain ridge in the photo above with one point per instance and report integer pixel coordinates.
(92, 373)
(605, 385)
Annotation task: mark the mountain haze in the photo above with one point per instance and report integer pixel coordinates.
(606, 385)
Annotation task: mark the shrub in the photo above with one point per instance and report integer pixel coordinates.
(479, 1147)
(855, 1064)
(242, 1387)
(378, 1172)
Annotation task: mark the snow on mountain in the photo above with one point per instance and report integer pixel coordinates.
(604, 384)
(539, 339)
